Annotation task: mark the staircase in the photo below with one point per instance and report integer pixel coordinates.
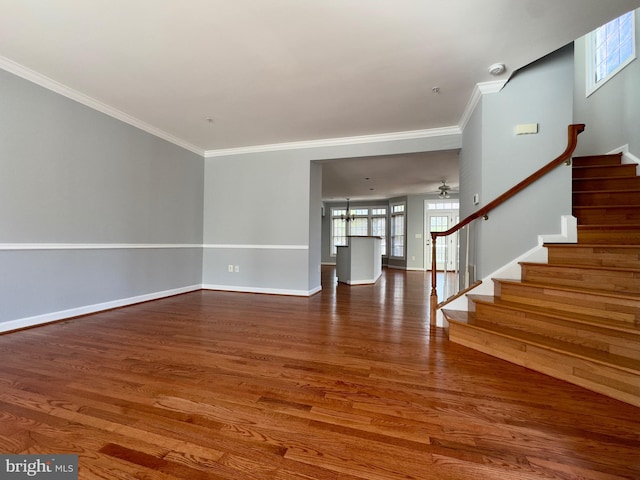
(576, 318)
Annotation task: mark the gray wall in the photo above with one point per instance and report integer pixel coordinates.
(71, 175)
(257, 217)
(612, 113)
(541, 93)
(315, 226)
(259, 213)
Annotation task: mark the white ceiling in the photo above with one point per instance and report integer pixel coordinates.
(389, 176)
(279, 71)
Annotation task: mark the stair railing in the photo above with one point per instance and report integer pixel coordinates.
(565, 157)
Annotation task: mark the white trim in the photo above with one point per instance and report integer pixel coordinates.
(568, 232)
(257, 247)
(57, 87)
(397, 267)
(337, 142)
(390, 254)
(360, 282)
(627, 157)
(478, 91)
(270, 291)
(92, 246)
(112, 246)
(87, 309)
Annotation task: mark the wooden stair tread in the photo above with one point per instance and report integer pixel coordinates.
(561, 315)
(606, 190)
(601, 166)
(608, 234)
(605, 158)
(623, 226)
(590, 245)
(600, 207)
(559, 346)
(602, 293)
(587, 179)
(582, 267)
(625, 180)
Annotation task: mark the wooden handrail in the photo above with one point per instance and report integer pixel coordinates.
(564, 157)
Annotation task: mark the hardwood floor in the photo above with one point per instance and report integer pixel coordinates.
(349, 384)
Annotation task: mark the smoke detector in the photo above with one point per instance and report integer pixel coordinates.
(497, 69)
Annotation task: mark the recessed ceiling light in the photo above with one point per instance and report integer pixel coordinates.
(497, 69)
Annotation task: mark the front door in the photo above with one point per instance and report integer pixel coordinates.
(446, 247)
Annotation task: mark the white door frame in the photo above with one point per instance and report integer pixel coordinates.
(454, 215)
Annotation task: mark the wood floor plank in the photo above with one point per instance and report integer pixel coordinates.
(349, 384)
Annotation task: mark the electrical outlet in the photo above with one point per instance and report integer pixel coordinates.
(237, 268)
(230, 268)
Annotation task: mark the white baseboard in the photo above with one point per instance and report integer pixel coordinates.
(628, 157)
(366, 281)
(568, 232)
(87, 309)
(270, 291)
(396, 267)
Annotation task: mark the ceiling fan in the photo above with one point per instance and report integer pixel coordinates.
(444, 189)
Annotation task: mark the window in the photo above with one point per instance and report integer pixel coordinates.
(338, 230)
(397, 230)
(364, 222)
(359, 226)
(610, 48)
(379, 227)
(450, 205)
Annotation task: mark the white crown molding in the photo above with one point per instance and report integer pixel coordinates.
(57, 87)
(92, 246)
(337, 142)
(478, 91)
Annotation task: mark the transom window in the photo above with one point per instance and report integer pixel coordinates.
(610, 48)
(452, 205)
